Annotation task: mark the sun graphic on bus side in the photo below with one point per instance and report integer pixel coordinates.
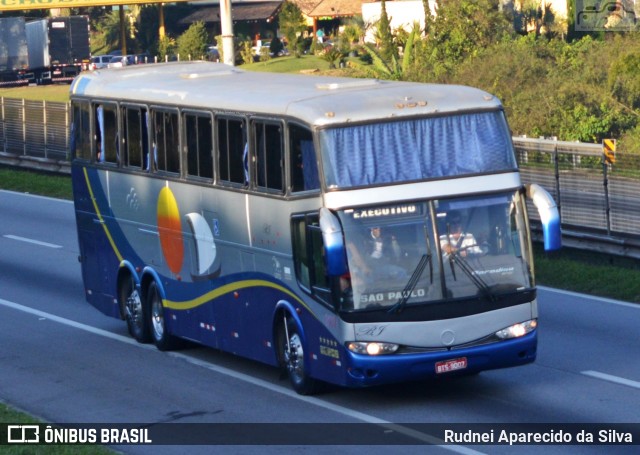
(170, 230)
(203, 246)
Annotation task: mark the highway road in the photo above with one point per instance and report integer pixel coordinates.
(63, 361)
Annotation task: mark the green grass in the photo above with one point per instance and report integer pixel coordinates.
(56, 92)
(305, 63)
(591, 273)
(45, 184)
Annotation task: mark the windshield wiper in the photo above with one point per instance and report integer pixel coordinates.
(411, 284)
(455, 256)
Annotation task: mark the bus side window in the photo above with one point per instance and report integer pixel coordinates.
(135, 133)
(166, 138)
(300, 253)
(81, 132)
(199, 142)
(302, 160)
(232, 150)
(308, 256)
(106, 133)
(269, 153)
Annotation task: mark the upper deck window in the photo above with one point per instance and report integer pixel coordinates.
(417, 149)
(81, 131)
(232, 150)
(269, 155)
(166, 141)
(106, 133)
(136, 145)
(199, 141)
(304, 170)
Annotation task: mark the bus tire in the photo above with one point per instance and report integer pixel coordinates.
(292, 353)
(133, 310)
(163, 340)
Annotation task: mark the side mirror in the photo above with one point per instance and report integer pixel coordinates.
(335, 252)
(549, 216)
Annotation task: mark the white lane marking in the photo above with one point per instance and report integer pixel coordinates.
(611, 378)
(74, 324)
(35, 242)
(251, 380)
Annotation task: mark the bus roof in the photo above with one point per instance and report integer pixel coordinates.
(317, 100)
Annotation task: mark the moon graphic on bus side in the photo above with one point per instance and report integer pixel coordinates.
(205, 246)
(170, 230)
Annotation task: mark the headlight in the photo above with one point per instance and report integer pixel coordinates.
(517, 330)
(372, 348)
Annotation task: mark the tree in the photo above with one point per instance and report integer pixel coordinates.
(106, 37)
(165, 48)
(388, 49)
(292, 24)
(462, 28)
(192, 44)
(624, 79)
(428, 17)
(394, 68)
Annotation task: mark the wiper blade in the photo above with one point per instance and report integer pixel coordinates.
(475, 279)
(411, 284)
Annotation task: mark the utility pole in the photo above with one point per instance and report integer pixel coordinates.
(226, 26)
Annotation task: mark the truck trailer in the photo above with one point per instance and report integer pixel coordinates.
(58, 49)
(14, 55)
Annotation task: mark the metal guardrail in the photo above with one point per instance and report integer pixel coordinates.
(599, 203)
(35, 134)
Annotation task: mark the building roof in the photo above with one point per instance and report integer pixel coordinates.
(330, 8)
(241, 12)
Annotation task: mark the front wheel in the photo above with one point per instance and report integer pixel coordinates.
(163, 340)
(293, 357)
(133, 310)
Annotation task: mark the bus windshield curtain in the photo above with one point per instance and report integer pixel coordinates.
(417, 150)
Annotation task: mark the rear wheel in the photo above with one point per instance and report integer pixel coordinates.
(133, 310)
(292, 353)
(163, 340)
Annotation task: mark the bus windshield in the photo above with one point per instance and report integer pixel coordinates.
(422, 252)
(418, 149)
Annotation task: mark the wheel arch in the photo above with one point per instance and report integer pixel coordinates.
(284, 309)
(149, 275)
(125, 271)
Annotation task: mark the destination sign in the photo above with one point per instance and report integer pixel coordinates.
(381, 212)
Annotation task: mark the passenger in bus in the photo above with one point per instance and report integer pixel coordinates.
(378, 247)
(376, 257)
(455, 240)
(352, 287)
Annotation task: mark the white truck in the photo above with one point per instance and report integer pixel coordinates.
(14, 55)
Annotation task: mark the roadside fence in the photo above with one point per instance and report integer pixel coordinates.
(35, 134)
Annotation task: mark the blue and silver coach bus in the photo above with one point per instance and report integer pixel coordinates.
(354, 232)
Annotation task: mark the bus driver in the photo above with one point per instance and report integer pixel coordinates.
(456, 240)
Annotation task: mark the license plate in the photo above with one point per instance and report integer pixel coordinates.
(447, 366)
